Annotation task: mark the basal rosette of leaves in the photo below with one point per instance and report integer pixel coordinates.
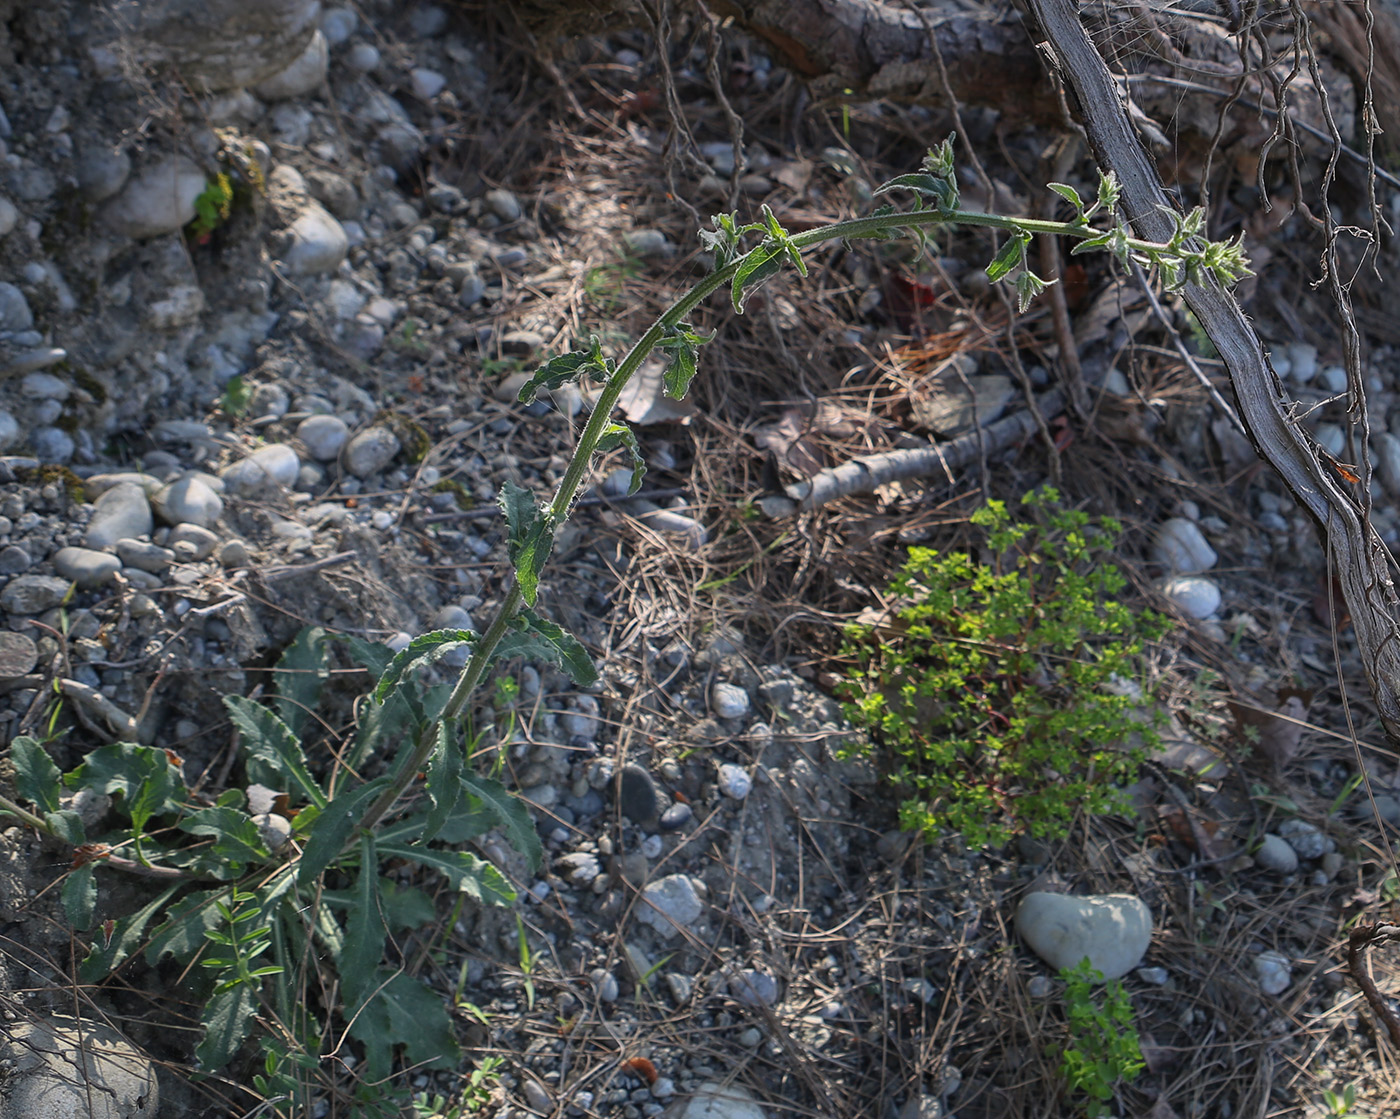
(992, 691)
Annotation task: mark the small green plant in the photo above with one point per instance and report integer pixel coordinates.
(212, 207)
(606, 285)
(266, 878)
(236, 397)
(1339, 1105)
(996, 690)
(1103, 1049)
(475, 1096)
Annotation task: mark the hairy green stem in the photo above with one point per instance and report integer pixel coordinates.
(874, 225)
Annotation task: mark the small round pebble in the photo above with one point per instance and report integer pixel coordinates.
(323, 436)
(729, 701)
(677, 816)
(636, 795)
(1305, 838)
(734, 781)
(1275, 854)
(1273, 972)
(664, 1088)
(371, 451)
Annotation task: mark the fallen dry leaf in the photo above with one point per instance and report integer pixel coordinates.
(644, 399)
(1274, 730)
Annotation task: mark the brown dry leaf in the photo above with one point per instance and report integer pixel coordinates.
(644, 399)
(792, 438)
(1278, 727)
(1197, 831)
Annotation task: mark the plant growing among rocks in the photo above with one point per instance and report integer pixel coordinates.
(995, 689)
(289, 865)
(1103, 1049)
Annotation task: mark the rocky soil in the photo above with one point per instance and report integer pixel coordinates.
(227, 416)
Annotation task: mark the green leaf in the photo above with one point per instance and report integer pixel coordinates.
(226, 1019)
(510, 813)
(268, 740)
(37, 779)
(370, 655)
(468, 820)
(237, 840)
(364, 928)
(539, 639)
(422, 651)
(1069, 194)
(332, 829)
(945, 195)
(401, 1010)
(80, 896)
(181, 934)
(107, 954)
(759, 265)
(383, 725)
(444, 783)
(683, 343)
(1009, 258)
(531, 536)
(568, 367)
(67, 825)
(300, 676)
(620, 435)
(466, 873)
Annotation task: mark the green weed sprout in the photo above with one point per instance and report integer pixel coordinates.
(1103, 1049)
(991, 690)
(212, 207)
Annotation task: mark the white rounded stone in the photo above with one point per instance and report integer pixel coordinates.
(318, 242)
(734, 781)
(305, 74)
(1112, 930)
(1181, 547)
(158, 200)
(1193, 595)
(266, 468)
(1273, 972)
(729, 701)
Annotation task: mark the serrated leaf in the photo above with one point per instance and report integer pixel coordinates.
(468, 820)
(332, 830)
(383, 725)
(759, 265)
(531, 536)
(620, 435)
(683, 343)
(107, 954)
(268, 740)
(510, 813)
(424, 650)
(400, 1010)
(444, 783)
(465, 872)
(539, 639)
(364, 928)
(227, 1019)
(300, 676)
(37, 779)
(1091, 243)
(237, 840)
(1008, 258)
(571, 366)
(80, 896)
(181, 933)
(1069, 194)
(369, 655)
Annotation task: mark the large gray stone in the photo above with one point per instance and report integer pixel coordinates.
(158, 200)
(948, 409)
(1112, 930)
(69, 1068)
(215, 44)
(317, 242)
(305, 74)
(266, 468)
(189, 501)
(120, 513)
(87, 568)
(28, 595)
